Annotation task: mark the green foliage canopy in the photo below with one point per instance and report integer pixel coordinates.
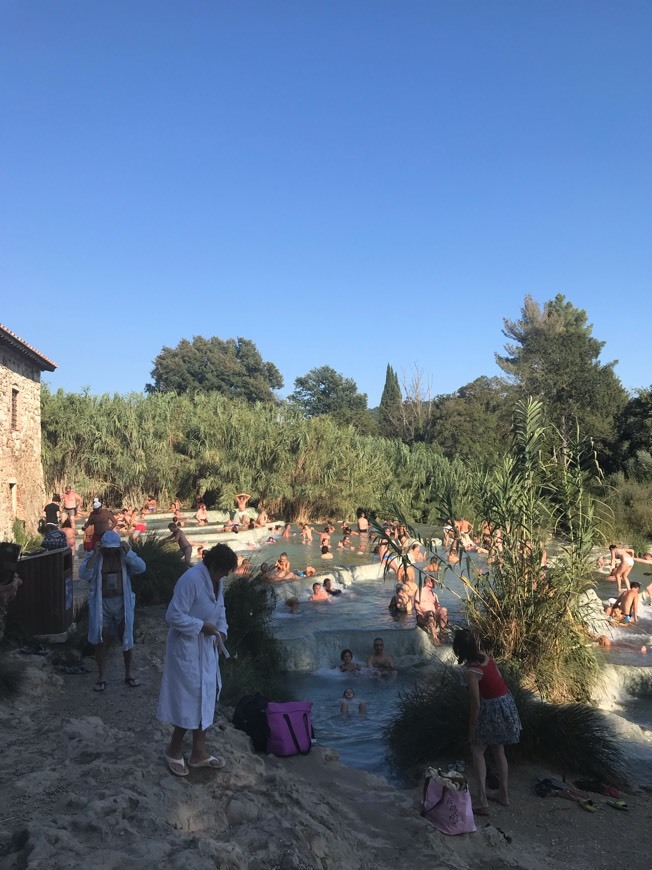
(324, 391)
(552, 355)
(233, 367)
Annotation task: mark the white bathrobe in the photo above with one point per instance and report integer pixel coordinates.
(191, 673)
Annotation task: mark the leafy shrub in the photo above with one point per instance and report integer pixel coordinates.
(29, 542)
(432, 723)
(165, 565)
(256, 659)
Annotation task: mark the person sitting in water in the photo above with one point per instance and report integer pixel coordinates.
(310, 571)
(626, 604)
(328, 586)
(243, 569)
(319, 593)
(150, 504)
(379, 659)
(324, 538)
(401, 601)
(287, 533)
(201, 514)
(431, 616)
(292, 604)
(346, 661)
(306, 534)
(242, 499)
(349, 699)
(262, 519)
(326, 553)
(283, 568)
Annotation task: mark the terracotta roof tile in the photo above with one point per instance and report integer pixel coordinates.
(45, 364)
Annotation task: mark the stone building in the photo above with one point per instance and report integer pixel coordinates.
(21, 472)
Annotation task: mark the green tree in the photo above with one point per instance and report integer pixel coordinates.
(233, 367)
(389, 412)
(475, 422)
(325, 391)
(633, 449)
(552, 355)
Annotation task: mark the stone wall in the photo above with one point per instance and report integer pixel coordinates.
(22, 493)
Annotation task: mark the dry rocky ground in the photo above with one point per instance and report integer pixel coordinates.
(84, 783)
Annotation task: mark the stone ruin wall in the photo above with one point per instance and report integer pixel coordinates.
(20, 448)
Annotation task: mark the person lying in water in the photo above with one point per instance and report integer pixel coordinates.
(349, 700)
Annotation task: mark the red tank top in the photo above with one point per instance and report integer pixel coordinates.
(492, 684)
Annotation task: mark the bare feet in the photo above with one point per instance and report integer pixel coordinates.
(498, 798)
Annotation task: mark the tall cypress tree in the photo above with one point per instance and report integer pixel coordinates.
(390, 406)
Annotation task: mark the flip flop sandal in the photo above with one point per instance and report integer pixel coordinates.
(178, 762)
(618, 805)
(589, 806)
(99, 686)
(132, 682)
(215, 762)
(73, 669)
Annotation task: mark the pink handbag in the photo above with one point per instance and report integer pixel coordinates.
(448, 806)
(290, 727)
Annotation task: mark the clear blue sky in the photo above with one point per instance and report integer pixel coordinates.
(344, 183)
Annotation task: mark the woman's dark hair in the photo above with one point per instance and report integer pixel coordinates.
(221, 557)
(344, 652)
(465, 647)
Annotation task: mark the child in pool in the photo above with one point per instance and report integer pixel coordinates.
(348, 698)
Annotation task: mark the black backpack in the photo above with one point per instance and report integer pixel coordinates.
(250, 716)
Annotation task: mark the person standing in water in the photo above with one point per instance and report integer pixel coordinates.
(493, 717)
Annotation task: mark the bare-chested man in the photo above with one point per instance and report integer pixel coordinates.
(626, 603)
(379, 659)
(431, 616)
(242, 499)
(621, 571)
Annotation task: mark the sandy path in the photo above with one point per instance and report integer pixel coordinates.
(83, 783)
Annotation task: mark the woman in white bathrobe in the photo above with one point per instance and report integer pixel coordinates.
(191, 673)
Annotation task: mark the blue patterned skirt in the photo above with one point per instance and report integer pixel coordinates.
(498, 721)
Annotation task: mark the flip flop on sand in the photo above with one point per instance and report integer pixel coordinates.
(99, 686)
(589, 806)
(216, 762)
(177, 766)
(618, 805)
(132, 682)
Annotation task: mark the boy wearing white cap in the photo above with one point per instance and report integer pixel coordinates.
(102, 520)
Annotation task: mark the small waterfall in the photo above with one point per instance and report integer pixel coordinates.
(321, 649)
(618, 682)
